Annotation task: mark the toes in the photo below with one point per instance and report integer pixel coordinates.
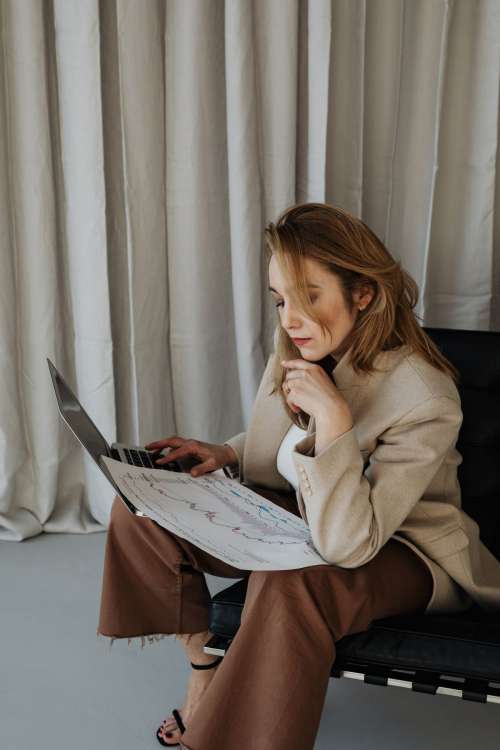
(163, 733)
(173, 731)
(169, 725)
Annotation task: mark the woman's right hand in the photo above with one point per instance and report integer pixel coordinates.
(211, 456)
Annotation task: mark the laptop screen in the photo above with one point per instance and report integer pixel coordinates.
(77, 418)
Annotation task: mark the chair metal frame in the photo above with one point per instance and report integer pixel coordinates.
(418, 680)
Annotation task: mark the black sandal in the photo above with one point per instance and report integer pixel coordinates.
(175, 712)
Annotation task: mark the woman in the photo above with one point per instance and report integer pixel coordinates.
(354, 429)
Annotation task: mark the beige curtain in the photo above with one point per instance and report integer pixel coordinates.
(143, 147)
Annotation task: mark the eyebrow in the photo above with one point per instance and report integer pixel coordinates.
(309, 286)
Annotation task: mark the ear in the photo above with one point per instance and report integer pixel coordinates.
(364, 295)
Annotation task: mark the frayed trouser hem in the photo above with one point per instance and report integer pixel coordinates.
(151, 638)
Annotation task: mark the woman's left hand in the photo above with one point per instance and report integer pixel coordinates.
(308, 387)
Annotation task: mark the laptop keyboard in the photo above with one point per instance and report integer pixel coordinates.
(136, 458)
(146, 459)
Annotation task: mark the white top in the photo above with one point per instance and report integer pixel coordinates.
(284, 462)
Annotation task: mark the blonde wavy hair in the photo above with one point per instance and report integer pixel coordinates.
(347, 247)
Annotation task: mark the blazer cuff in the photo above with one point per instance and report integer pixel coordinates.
(320, 474)
(237, 443)
(306, 446)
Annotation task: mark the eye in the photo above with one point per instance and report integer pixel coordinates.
(312, 299)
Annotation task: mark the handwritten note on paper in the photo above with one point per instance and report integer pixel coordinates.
(219, 515)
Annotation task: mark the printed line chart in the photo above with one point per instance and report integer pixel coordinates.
(219, 515)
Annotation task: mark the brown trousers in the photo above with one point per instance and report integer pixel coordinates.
(268, 692)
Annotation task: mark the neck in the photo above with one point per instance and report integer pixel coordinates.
(328, 363)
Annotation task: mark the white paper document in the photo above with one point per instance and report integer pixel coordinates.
(220, 516)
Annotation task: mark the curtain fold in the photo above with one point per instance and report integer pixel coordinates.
(143, 148)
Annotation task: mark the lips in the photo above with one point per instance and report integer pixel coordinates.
(300, 341)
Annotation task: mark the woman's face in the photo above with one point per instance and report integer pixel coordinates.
(328, 302)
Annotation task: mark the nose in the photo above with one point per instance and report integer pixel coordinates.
(288, 317)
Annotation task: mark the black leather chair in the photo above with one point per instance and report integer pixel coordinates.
(452, 654)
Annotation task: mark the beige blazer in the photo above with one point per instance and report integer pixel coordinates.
(393, 474)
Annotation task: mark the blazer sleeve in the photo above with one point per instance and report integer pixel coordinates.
(237, 442)
(351, 516)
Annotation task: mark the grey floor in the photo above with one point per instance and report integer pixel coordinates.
(62, 687)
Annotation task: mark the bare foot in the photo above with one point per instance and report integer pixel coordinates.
(199, 681)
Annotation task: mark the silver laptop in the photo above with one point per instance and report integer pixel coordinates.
(97, 446)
